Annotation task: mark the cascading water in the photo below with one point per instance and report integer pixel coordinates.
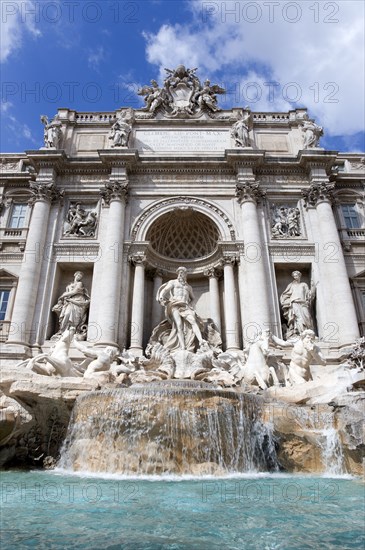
(332, 454)
(170, 427)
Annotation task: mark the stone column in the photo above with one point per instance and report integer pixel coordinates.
(157, 309)
(230, 305)
(256, 313)
(114, 196)
(137, 304)
(44, 192)
(215, 308)
(341, 321)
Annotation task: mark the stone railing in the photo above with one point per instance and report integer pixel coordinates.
(4, 330)
(83, 118)
(13, 234)
(356, 233)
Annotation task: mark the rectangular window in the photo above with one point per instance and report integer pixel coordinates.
(17, 218)
(350, 216)
(4, 299)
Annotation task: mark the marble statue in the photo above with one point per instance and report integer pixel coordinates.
(285, 222)
(57, 362)
(241, 128)
(296, 302)
(256, 369)
(311, 134)
(181, 95)
(121, 129)
(176, 296)
(52, 132)
(102, 359)
(154, 98)
(207, 98)
(304, 352)
(80, 222)
(72, 307)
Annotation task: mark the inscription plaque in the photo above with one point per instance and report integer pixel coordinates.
(182, 140)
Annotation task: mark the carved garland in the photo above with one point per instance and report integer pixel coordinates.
(186, 200)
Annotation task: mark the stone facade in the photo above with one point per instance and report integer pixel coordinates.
(129, 196)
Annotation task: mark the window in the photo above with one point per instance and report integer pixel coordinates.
(350, 216)
(4, 299)
(17, 217)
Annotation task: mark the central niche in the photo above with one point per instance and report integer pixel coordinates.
(183, 234)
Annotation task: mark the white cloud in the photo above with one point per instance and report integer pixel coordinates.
(17, 18)
(5, 106)
(95, 57)
(325, 60)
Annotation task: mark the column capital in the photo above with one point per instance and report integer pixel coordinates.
(230, 259)
(249, 191)
(114, 191)
(43, 191)
(213, 272)
(138, 259)
(318, 192)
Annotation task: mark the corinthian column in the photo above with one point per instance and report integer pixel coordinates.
(44, 192)
(341, 325)
(256, 311)
(115, 197)
(137, 304)
(215, 308)
(230, 306)
(156, 306)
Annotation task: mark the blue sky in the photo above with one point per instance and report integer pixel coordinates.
(93, 56)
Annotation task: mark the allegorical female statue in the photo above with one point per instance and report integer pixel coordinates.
(296, 302)
(72, 307)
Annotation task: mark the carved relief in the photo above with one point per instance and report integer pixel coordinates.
(80, 221)
(285, 222)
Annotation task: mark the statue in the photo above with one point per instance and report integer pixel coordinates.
(256, 369)
(121, 129)
(79, 222)
(311, 134)
(57, 362)
(296, 302)
(206, 96)
(241, 128)
(302, 355)
(52, 132)
(154, 96)
(181, 95)
(72, 307)
(102, 358)
(176, 296)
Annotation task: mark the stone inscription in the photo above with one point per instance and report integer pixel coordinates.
(182, 140)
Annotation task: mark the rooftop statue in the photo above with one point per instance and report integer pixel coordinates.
(241, 128)
(311, 134)
(52, 132)
(121, 129)
(182, 94)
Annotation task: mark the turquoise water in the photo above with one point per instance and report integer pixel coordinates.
(49, 510)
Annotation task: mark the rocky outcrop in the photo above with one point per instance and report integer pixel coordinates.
(34, 414)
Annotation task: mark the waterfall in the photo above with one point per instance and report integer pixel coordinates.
(169, 427)
(332, 455)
